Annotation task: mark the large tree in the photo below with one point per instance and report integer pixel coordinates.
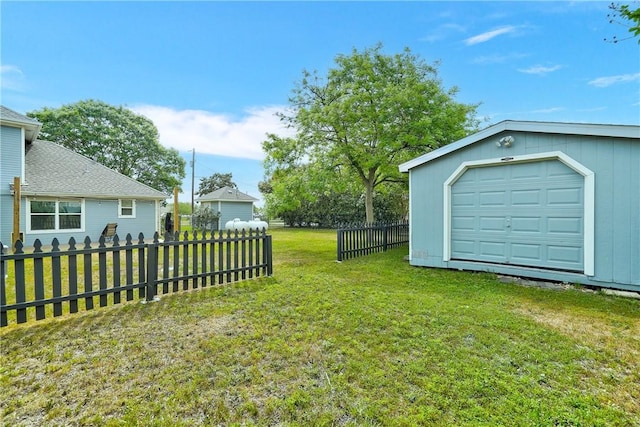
(215, 182)
(115, 137)
(370, 113)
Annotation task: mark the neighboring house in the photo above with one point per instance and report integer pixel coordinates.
(230, 203)
(554, 201)
(64, 194)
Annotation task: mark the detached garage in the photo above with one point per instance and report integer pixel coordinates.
(553, 201)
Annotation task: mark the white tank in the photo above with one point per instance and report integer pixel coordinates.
(236, 224)
(258, 224)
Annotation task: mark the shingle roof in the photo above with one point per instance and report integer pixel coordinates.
(10, 117)
(618, 131)
(226, 194)
(53, 170)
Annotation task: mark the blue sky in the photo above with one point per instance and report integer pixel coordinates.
(211, 75)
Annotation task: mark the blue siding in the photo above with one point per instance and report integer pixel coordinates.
(11, 147)
(231, 210)
(616, 165)
(97, 214)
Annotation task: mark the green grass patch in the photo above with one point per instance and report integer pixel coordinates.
(370, 341)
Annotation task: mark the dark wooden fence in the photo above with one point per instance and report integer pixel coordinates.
(59, 281)
(359, 240)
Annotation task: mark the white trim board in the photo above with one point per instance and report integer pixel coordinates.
(589, 198)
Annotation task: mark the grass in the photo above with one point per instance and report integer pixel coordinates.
(371, 341)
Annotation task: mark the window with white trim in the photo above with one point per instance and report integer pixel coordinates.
(126, 208)
(56, 215)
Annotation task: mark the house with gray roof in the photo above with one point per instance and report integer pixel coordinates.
(64, 194)
(230, 203)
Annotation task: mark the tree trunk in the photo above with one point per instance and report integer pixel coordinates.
(368, 201)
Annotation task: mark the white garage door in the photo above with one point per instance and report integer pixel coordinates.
(529, 214)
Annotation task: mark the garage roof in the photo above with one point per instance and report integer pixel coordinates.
(618, 131)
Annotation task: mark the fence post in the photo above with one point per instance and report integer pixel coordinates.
(340, 245)
(268, 244)
(152, 268)
(3, 293)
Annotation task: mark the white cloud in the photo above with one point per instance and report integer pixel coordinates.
(540, 70)
(11, 77)
(484, 37)
(215, 133)
(611, 80)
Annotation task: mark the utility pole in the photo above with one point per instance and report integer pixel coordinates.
(193, 178)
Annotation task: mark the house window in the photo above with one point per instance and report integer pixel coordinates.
(127, 208)
(55, 215)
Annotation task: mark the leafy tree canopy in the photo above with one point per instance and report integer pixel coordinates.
(115, 137)
(292, 197)
(370, 113)
(215, 182)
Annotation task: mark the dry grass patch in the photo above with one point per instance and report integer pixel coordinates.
(614, 340)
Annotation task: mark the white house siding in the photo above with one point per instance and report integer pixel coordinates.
(11, 149)
(616, 166)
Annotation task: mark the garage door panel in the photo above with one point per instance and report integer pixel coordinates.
(463, 199)
(565, 225)
(463, 248)
(525, 213)
(489, 175)
(463, 223)
(492, 223)
(523, 253)
(525, 197)
(555, 169)
(527, 171)
(493, 198)
(492, 250)
(564, 196)
(565, 256)
(526, 225)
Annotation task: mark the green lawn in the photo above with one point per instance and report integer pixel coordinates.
(370, 341)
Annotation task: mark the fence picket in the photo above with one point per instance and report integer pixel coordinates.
(72, 263)
(228, 265)
(235, 255)
(102, 271)
(21, 312)
(116, 268)
(142, 275)
(212, 257)
(128, 261)
(195, 261)
(56, 277)
(3, 294)
(38, 275)
(88, 277)
(203, 260)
